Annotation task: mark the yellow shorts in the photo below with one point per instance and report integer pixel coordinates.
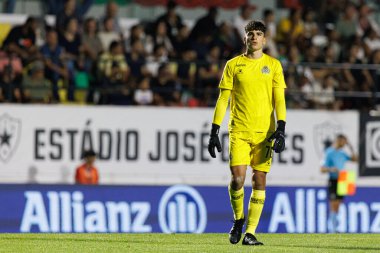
(252, 149)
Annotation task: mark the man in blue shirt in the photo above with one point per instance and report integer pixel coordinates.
(334, 161)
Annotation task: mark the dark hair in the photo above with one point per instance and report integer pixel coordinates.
(88, 153)
(255, 25)
(171, 5)
(30, 20)
(114, 44)
(341, 136)
(267, 12)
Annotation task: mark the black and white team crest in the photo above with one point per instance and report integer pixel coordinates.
(324, 135)
(10, 133)
(265, 70)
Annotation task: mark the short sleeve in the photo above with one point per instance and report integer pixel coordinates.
(327, 162)
(227, 80)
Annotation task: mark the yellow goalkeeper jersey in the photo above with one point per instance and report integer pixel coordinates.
(251, 82)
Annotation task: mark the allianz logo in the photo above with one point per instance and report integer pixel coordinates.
(181, 210)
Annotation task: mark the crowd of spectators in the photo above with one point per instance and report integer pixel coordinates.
(328, 52)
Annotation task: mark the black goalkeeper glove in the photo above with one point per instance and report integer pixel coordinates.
(214, 141)
(279, 137)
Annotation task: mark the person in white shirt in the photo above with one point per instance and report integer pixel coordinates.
(143, 94)
(243, 18)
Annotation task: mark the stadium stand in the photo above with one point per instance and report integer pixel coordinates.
(330, 59)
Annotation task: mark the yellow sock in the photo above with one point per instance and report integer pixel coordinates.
(237, 202)
(255, 208)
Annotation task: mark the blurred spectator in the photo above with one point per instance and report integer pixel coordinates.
(366, 22)
(334, 42)
(186, 69)
(307, 92)
(92, 46)
(9, 6)
(108, 34)
(113, 71)
(329, 11)
(270, 35)
(10, 59)
(205, 26)
(63, 15)
(71, 42)
(310, 25)
(87, 173)
(143, 94)
(209, 73)
(54, 7)
(354, 75)
(290, 28)
(346, 24)
(136, 60)
(245, 15)
(324, 94)
(36, 88)
(112, 63)
(160, 37)
(110, 13)
(228, 41)
(371, 41)
(165, 88)
(21, 40)
(171, 19)
(375, 73)
(181, 41)
(53, 56)
(160, 56)
(10, 86)
(137, 33)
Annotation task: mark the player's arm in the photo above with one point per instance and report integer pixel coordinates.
(327, 166)
(280, 107)
(353, 156)
(221, 106)
(77, 176)
(279, 101)
(219, 113)
(226, 85)
(325, 169)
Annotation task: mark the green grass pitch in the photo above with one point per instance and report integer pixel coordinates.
(186, 243)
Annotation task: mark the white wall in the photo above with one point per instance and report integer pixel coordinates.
(46, 142)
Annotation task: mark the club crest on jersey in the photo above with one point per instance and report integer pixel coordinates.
(265, 70)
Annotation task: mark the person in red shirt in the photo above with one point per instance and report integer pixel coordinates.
(87, 173)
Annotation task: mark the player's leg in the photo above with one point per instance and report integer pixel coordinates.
(333, 215)
(239, 158)
(255, 207)
(236, 190)
(334, 203)
(261, 158)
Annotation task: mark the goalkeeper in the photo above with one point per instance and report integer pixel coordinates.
(255, 84)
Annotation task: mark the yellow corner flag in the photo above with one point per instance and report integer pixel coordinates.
(346, 183)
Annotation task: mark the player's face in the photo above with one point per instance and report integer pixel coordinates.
(254, 40)
(342, 142)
